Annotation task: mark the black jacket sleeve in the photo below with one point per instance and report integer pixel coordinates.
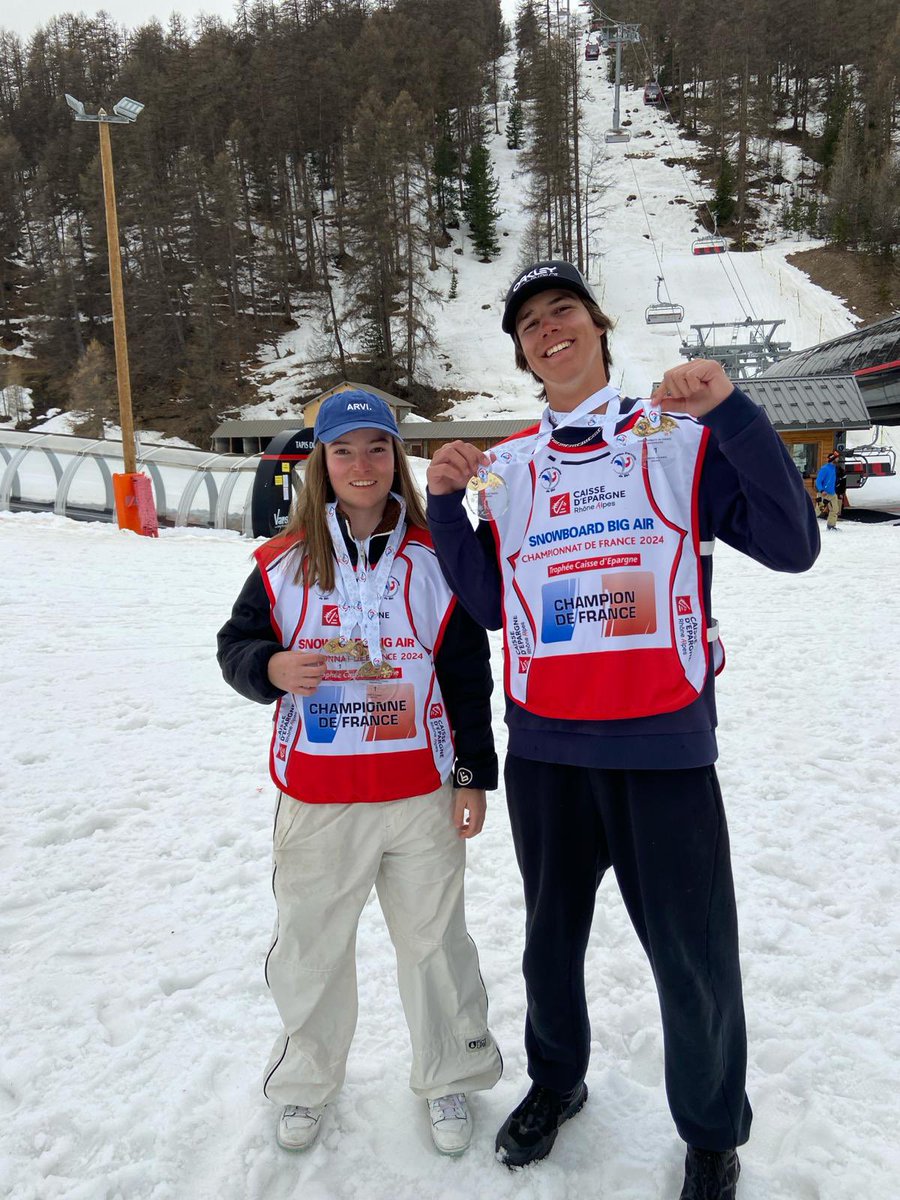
(463, 669)
(247, 641)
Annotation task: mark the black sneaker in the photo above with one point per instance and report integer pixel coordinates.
(710, 1174)
(530, 1130)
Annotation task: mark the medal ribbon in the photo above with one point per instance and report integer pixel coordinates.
(608, 395)
(360, 591)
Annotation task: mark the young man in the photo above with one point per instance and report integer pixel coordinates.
(599, 571)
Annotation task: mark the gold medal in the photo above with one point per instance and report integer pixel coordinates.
(356, 651)
(489, 482)
(644, 428)
(354, 648)
(369, 671)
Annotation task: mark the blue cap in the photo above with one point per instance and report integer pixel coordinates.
(345, 411)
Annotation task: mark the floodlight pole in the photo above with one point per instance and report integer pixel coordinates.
(125, 112)
(123, 377)
(135, 509)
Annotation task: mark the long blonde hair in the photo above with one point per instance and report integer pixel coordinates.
(308, 523)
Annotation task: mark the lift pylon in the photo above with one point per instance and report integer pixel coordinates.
(618, 35)
(744, 348)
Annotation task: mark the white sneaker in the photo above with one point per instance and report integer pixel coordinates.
(451, 1123)
(299, 1126)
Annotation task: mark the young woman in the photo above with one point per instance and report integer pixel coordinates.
(599, 572)
(381, 752)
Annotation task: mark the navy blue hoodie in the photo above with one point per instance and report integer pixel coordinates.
(751, 496)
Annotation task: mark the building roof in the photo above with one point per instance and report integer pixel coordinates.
(823, 402)
(820, 402)
(349, 386)
(434, 431)
(271, 426)
(872, 345)
(411, 430)
(257, 429)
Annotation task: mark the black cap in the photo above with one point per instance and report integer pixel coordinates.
(537, 278)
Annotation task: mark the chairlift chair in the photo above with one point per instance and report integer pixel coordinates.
(618, 135)
(713, 243)
(710, 245)
(663, 313)
(868, 462)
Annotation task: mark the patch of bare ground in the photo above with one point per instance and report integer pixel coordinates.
(869, 284)
(427, 400)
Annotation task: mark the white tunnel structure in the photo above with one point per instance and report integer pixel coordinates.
(72, 477)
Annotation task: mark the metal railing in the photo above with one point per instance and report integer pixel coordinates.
(72, 477)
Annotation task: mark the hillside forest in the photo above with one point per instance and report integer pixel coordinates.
(326, 148)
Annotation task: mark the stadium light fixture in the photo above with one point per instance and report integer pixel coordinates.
(125, 112)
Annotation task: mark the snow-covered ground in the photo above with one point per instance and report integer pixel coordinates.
(16, 403)
(67, 421)
(137, 909)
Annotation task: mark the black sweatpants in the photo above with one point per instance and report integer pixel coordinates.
(664, 835)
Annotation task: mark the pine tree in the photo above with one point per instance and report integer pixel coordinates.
(514, 123)
(10, 221)
(723, 204)
(481, 202)
(92, 390)
(845, 185)
(835, 113)
(529, 37)
(444, 166)
(550, 154)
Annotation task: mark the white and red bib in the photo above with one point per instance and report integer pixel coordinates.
(602, 589)
(363, 740)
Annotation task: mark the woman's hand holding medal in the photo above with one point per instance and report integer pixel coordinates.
(301, 671)
(297, 671)
(356, 652)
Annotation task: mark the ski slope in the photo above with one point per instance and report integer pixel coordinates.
(644, 226)
(637, 194)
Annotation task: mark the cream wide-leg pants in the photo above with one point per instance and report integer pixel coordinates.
(327, 859)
